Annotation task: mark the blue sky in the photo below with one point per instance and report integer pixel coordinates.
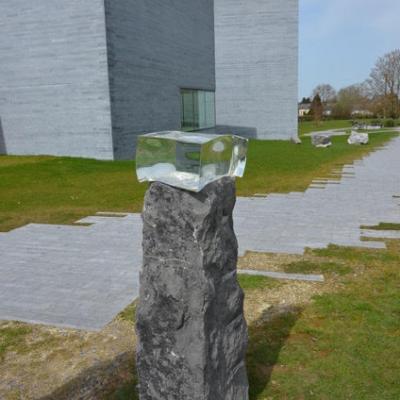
(340, 40)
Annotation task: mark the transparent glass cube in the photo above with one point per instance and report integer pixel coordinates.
(189, 160)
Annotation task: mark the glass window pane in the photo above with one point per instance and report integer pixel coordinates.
(202, 109)
(198, 109)
(187, 110)
(210, 109)
(196, 114)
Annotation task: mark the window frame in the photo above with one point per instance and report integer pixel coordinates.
(196, 90)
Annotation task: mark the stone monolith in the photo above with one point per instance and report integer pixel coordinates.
(358, 138)
(321, 140)
(192, 335)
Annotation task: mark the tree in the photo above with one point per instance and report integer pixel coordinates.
(305, 100)
(351, 98)
(384, 84)
(326, 93)
(317, 109)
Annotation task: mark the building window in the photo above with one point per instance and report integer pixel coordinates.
(198, 109)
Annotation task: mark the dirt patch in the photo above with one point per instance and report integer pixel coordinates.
(53, 361)
(289, 293)
(266, 261)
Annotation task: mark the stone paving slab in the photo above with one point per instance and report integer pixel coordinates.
(74, 276)
(380, 234)
(283, 276)
(82, 276)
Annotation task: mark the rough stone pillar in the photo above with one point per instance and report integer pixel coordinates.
(190, 324)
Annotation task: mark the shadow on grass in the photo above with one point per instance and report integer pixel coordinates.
(267, 336)
(116, 380)
(107, 380)
(3, 148)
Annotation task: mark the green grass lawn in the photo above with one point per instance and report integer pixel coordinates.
(343, 345)
(384, 226)
(311, 126)
(12, 337)
(62, 190)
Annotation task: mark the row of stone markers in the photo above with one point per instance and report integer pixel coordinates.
(325, 140)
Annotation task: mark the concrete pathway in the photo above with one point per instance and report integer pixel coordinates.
(330, 211)
(74, 276)
(82, 276)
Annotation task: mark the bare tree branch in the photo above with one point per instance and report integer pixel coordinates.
(384, 84)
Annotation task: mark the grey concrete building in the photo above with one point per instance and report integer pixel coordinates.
(85, 77)
(256, 44)
(54, 78)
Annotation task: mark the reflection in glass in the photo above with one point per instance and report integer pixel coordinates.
(189, 160)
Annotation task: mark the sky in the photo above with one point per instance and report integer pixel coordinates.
(340, 40)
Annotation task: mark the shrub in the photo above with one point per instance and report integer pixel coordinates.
(376, 122)
(389, 123)
(306, 118)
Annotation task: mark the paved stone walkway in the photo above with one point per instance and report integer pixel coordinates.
(330, 211)
(74, 276)
(82, 276)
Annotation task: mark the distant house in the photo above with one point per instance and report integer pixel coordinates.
(327, 112)
(304, 109)
(361, 113)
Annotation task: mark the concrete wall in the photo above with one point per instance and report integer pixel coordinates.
(155, 48)
(257, 66)
(85, 77)
(54, 78)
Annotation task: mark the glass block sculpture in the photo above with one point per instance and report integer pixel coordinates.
(189, 160)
